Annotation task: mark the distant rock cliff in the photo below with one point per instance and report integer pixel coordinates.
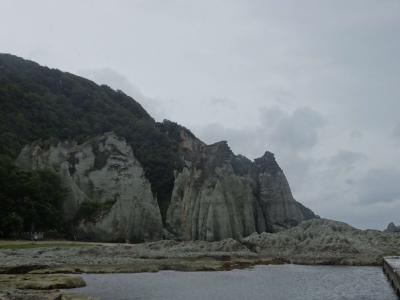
(212, 201)
(108, 193)
(221, 195)
(216, 195)
(392, 228)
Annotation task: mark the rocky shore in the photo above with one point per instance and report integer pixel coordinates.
(316, 241)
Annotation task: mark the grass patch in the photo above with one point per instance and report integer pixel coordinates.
(44, 244)
(94, 211)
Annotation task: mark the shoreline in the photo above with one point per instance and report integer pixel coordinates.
(316, 242)
(53, 282)
(193, 264)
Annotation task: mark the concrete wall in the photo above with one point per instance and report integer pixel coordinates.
(391, 267)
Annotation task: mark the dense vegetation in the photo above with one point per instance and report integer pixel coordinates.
(39, 103)
(29, 201)
(94, 210)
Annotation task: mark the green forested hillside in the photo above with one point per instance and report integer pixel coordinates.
(38, 103)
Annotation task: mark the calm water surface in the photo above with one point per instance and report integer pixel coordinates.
(263, 282)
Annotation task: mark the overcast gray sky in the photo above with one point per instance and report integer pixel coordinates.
(317, 82)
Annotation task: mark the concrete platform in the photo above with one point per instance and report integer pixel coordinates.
(391, 267)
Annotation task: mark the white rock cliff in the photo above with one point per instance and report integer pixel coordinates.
(104, 173)
(216, 194)
(220, 195)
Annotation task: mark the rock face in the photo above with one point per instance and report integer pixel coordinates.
(107, 188)
(279, 207)
(392, 228)
(216, 195)
(210, 201)
(220, 195)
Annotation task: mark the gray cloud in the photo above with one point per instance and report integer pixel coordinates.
(356, 134)
(380, 185)
(292, 132)
(223, 102)
(277, 131)
(396, 131)
(346, 159)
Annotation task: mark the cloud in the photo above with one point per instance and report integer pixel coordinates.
(223, 102)
(277, 130)
(379, 186)
(356, 134)
(396, 132)
(346, 159)
(292, 132)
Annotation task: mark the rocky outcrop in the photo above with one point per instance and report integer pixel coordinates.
(220, 195)
(321, 241)
(280, 209)
(216, 194)
(108, 192)
(317, 241)
(211, 202)
(40, 287)
(392, 228)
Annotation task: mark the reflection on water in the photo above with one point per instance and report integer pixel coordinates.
(263, 282)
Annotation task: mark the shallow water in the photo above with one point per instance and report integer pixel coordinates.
(280, 282)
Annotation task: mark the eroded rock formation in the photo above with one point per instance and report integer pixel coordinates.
(216, 195)
(211, 201)
(220, 195)
(107, 188)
